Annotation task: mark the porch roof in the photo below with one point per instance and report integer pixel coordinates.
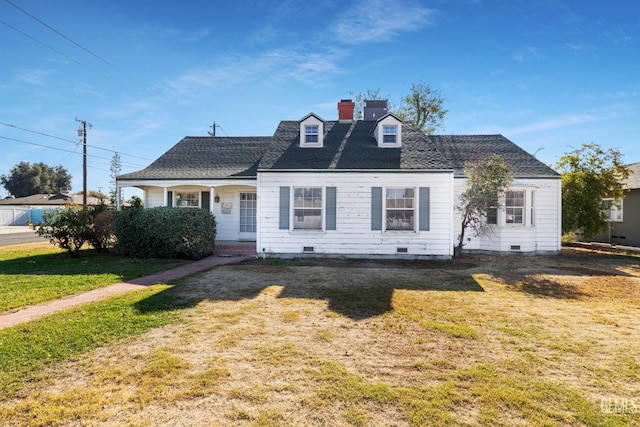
(197, 157)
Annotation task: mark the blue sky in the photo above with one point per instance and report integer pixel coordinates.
(550, 75)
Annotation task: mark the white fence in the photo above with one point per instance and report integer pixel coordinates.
(19, 215)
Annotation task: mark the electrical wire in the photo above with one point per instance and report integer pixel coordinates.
(64, 150)
(54, 50)
(72, 141)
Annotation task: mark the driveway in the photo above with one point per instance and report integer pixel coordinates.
(18, 234)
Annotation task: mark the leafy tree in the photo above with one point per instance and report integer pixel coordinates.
(116, 167)
(26, 179)
(487, 177)
(589, 174)
(135, 202)
(423, 105)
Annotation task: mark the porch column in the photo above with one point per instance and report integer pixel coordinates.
(212, 197)
(165, 199)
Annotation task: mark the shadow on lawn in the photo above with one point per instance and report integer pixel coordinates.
(359, 291)
(356, 294)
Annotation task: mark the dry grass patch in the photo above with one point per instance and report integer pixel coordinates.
(480, 341)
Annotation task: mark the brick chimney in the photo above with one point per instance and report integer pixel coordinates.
(345, 110)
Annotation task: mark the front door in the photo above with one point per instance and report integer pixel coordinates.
(248, 204)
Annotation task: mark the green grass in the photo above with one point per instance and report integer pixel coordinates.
(31, 275)
(68, 334)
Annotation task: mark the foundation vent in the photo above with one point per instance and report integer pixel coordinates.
(307, 249)
(402, 250)
(515, 247)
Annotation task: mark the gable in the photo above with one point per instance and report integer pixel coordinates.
(388, 131)
(311, 131)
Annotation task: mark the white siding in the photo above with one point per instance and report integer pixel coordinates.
(353, 234)
(543, 236)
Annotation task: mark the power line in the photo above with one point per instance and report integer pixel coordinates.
(95, 55)
(64, 150)
(72, 141)
(53, 49)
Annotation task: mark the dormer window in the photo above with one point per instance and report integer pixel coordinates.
(311, 134)
(311, 131)
(388, 131)
(389, 134)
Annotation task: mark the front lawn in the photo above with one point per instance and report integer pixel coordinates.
(495, 341)
(34, 273)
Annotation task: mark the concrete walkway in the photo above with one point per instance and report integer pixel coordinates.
(33, 312)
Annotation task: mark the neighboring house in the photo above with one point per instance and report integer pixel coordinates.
(23, 210)
(363, 188)
(624, 218)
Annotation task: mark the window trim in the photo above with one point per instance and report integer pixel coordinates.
(321, 208)
(315, 134)
(386, 134)
(414, 209)
(522, 208)
(181, 192)
(617, 207)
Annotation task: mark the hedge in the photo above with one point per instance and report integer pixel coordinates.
(165, 232)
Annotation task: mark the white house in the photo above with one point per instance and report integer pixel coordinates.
(377, 187)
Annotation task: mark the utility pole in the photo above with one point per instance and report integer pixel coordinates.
(214, 126)
(83, 132)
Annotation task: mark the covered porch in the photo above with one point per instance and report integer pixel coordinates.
(232, 202)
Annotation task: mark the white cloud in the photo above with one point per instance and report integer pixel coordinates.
(274, 65)
(560, 122)
(34, 77)
(377, 20)
(194, 36)
(528, 54)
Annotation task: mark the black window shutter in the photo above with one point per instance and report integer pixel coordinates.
(170, 198)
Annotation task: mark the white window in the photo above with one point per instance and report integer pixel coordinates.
(187, 199)
(311, 134)
(389, 134)
(613, 211)
(307, 208)
(514, 207)
(400, 208)
(492, 215)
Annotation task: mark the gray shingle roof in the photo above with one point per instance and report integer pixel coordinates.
(347, 146)
(464, 148)
(205, 158)
(351, 146)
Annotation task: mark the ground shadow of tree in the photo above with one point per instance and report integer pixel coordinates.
(358, 293)
(360, 290)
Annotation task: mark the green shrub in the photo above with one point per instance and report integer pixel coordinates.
(165, 232)
(103, 230)
(68, 228)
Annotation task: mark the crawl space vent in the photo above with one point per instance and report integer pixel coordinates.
(307, 249)
(401, 250)
(515, 247)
